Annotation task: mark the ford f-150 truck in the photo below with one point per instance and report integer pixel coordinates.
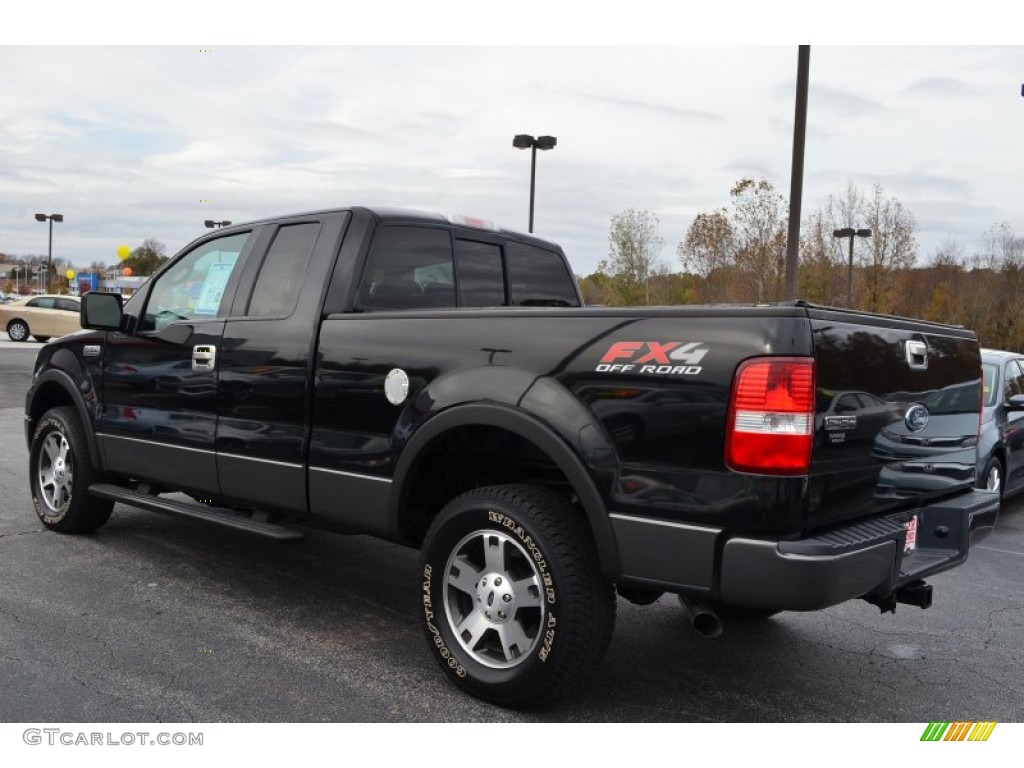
(436, 381)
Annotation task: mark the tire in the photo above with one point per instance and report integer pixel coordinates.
(994, 478)
(60, 475)
(515, 608)
(18, 330)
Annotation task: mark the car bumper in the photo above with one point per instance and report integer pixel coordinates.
(869, 559)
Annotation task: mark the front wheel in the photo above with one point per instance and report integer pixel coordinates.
(993, 478)
(60, 475)
(18, 330)
(515, 607)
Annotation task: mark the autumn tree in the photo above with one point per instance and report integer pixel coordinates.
(707, 251)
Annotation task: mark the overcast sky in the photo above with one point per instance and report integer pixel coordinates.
(132, 143)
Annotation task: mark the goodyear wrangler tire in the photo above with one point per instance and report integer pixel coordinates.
(515, 607)
(60, 475)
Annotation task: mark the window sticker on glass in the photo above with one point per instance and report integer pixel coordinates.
(213, 287)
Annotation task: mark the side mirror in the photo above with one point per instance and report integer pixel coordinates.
(101, 311)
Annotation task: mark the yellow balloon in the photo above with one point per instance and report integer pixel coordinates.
(70, 274)
(123, 252)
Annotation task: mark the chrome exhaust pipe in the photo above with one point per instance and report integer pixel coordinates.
(702, 616)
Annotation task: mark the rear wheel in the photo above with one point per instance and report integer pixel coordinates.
(18, 330)
(60, 475)
(515, 607)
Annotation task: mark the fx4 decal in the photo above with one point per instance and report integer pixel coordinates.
(666, 358)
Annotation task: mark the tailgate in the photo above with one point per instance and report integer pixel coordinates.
(896, 413)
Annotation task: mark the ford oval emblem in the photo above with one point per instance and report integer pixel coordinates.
(917, 418)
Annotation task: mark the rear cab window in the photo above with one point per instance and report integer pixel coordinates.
(415, 267)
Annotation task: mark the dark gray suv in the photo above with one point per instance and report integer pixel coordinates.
(1001, 437)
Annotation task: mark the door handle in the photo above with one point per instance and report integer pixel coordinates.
(204, 357)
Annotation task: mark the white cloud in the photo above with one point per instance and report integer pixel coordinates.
(135, 142)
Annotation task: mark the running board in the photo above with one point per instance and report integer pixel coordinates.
(195, 511)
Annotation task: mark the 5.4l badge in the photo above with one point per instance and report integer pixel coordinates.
(665, 358)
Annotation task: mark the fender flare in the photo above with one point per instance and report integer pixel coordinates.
(536, 432)
(60, 378)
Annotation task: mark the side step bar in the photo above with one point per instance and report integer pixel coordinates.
(195, 511)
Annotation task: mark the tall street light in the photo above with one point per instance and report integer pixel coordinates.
(216, 224)
(850, 232)
(58, 217)
(526, 141)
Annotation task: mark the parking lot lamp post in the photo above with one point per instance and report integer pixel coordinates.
(211, 224)
(850, 232)
(58, 217)
(17, 285)
(526, 141)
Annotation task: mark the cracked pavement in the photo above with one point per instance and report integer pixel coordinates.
(156, 619)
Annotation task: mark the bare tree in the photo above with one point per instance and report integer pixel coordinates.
(759, 226)
(634, 245)
(822, 278)
(892, 245)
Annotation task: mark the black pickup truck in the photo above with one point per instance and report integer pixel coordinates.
(435, 381)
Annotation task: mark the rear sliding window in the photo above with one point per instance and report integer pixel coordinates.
(481, 277)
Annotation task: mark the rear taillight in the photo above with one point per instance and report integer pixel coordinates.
(771, 416)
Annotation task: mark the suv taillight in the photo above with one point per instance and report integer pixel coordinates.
(771, 416)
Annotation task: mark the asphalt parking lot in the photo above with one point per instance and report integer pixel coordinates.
(157, 619)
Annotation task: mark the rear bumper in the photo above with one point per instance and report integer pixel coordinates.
(866, 559)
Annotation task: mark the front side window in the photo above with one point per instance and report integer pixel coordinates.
(1014, 380)
(46, 302)
(193, 287)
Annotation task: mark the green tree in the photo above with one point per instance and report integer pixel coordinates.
(147, 258)
(634, 244)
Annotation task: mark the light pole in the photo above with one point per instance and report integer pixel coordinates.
(58, 217)
(850, 232)
(526, 141)
(210, 223)
(17, 285)
(43, 269)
